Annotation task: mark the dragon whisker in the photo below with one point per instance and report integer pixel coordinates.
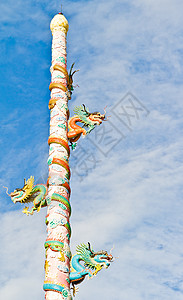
(6, 190)
(105, 114)
(112, 249)
(105, 109)
(116, 257)
(107, 118)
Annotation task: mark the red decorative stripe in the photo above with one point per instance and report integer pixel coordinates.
(62, 163)
(66, 185)
(59, 141)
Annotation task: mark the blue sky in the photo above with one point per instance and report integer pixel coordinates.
(127, 175)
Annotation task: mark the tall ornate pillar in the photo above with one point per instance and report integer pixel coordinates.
(58, 255)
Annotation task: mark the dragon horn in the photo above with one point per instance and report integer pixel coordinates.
(6, 190)
(74, 72)
(93, 252)
(85, 109)
(71, 69)
(89, 248)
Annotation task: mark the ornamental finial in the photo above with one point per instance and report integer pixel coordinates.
(59, 22)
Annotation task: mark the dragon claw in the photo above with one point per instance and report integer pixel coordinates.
(98, 268)
(74, 290)
(25, 210)
(39, 207)
(30, 193)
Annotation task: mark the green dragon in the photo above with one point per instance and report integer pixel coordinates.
(89, 120)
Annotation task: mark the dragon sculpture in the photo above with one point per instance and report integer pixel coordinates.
(89, 120)
(93, 263)
(84, 262)
(67, 89)
(30, 193)
(36, 194)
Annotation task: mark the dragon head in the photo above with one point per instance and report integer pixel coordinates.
(94, 260)
(96, 117)
(20, 195)
(89, 119)
(101, 257)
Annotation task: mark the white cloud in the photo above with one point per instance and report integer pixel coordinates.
(22, 254)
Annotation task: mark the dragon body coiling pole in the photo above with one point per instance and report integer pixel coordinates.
(58, 255)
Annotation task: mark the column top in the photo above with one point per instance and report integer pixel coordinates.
(59, 22)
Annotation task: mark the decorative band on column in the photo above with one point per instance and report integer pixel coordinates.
(54, 223)
(63, 200)
(52, 102)
(67, 225)
(60, 162)
(59, 141)
(58, 288)
(66, 185)
(57, 85)
(61, 69)
(54, 245)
